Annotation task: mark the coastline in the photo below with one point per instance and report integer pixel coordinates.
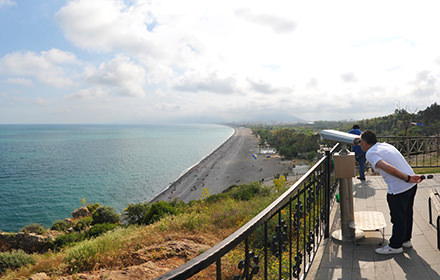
(188, 171)
(230, 164)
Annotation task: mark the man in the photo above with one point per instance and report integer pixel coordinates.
(359, 155)
(402, 187)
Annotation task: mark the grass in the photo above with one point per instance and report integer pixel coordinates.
(427, 170)
(206, 221)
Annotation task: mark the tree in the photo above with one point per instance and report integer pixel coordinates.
(105, 214)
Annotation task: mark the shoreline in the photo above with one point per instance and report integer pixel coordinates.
(229, 164)
(189, 169)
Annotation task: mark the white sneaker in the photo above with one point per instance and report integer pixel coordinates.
(407, 244)
(388, 250)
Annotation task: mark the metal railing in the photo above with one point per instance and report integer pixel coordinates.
(285, 236)
(420, 151)
(281, 241)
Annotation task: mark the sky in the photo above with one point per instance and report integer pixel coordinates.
(151, 61)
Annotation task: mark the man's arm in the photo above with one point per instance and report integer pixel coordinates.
(388, 168)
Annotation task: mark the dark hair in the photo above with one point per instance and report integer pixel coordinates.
(355, 126)
(369, 136)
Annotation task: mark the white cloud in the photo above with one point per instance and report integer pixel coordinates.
(20, 81)
(235, 58)
(276, 23)
(106, 25)
(119, 76)
(46, 66)
(349, 77)
(42, 102)
(425, 85)
(209, 82)
(5, 3)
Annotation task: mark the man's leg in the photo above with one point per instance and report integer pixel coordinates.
(401, 217)
(361, 161)
(410, 211)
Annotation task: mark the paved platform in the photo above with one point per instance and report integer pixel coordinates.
(357, 260)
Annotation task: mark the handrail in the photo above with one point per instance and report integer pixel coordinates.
(214, 254)
(317, 189)
(419, 151)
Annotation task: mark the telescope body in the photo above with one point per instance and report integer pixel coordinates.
(339, 136)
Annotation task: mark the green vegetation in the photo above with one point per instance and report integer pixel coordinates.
(33, 228)
(290, 142)
(92, 207)
(109, 245)
(83, 224)
(105, 214)
(402, 122)
(61, 225)
(15, 259)
(302, 140)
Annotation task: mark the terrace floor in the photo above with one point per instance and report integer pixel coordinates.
(357, 260)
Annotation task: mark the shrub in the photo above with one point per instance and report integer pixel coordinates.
(83, 224)
(98, 251)
(99, 229)
(61, 225)
(92, 207)
(159, 210)
(33, 228)
(69, 239)
(215, 198)
(135, 213)
(246, 191)
(15, 259)
(105, 214)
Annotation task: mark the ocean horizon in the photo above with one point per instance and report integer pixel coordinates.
(47, 170)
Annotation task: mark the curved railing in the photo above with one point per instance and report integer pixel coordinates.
(281, 241)
(420, 151)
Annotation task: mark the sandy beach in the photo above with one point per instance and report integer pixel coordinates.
(230, 164)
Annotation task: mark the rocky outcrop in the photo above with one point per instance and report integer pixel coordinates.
(81, 212)
(28, 242)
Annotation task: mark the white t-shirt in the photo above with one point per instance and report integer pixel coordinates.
(389, 154)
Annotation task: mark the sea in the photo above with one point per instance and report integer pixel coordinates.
(47, 171)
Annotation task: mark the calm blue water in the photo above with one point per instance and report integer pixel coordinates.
(46, 170)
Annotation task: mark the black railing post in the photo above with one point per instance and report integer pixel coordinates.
(265, 250)
(219, 269)
(290, 239)
(327, 194)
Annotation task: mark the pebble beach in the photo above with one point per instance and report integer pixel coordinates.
(230, 164)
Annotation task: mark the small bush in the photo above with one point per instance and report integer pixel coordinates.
(105, 214)
(92, 207)
(215, 198)
(159, 210)
(245, 191)
(69, 239)
(135, 213)
(61, 225)
(15, 259)
(99, 229)
(33, 228)
(83, 224)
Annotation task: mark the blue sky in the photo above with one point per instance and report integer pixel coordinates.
(139, 61)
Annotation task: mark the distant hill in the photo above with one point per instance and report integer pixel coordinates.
(271, 118)
(401, 122)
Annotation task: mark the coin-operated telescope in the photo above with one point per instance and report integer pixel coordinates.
(344, 171)
(340, 137)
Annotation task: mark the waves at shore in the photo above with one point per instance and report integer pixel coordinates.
(171, 188)
(230, 164)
